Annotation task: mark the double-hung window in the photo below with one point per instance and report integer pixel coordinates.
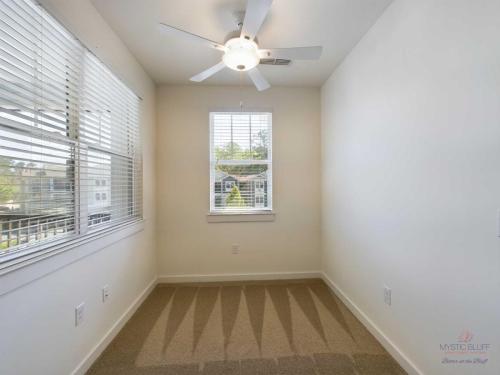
(240, 162)
(70, 158)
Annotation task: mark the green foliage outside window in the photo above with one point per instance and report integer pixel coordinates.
(233, 151)
(9, 187)
(234, 198)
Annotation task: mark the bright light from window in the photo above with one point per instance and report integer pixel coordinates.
(240, 162)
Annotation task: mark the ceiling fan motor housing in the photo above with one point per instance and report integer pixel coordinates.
(237, 34)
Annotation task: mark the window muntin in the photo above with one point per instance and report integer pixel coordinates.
(240, 161)
(68, 134)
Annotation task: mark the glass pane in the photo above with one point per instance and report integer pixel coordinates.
(36, 194)
(98, 187)
(241, 136)
(241, 187)
(109, 187)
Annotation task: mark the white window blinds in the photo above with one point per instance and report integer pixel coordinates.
(68, 134)
(240, 161)
(108, 134)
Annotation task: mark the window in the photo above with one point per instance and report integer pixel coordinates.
(228, 185)
(240, 162)
(259, 185)
(69, 136)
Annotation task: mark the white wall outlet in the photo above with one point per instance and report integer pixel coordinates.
(387, 295)
(235, 248)
(79, 314)
(105, 293)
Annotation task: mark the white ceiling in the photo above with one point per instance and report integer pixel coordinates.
(337, 25)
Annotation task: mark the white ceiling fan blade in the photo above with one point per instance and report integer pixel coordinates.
(186, 34)
(298, 53)
(208, 73)
(255, 15)
(258, 79)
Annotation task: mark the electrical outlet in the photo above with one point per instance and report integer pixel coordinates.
(79, 314)
(235, 249)
(105, 293)
(387, 295)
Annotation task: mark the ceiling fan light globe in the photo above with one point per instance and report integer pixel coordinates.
(241, 54)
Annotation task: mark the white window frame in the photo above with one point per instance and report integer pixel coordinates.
(259, 213)
(31, 253)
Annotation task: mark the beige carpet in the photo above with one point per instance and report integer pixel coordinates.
(250, 328)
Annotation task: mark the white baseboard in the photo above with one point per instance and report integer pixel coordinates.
(396, 353)
(96, 351)
(239, 277)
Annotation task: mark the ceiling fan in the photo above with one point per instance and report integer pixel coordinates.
(241, 49)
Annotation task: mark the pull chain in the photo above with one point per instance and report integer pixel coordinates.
(241, 91)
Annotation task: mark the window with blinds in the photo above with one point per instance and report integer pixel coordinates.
(240, 162)
(70, 158)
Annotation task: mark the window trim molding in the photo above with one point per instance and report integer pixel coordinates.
(260, 214)
(50, 257)
(241, 217)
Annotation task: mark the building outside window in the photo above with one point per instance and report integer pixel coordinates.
(228, 185)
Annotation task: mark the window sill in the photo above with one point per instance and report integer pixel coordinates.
(51, 257)
(240, 217)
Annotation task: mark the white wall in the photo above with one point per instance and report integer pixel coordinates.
(37, 332)
(187, 244)
(411, 177)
